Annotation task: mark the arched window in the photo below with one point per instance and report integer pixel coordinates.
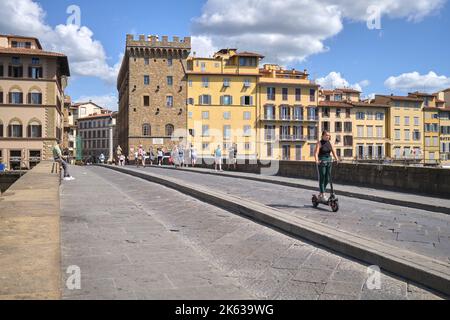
(35, 96)
(15, 96)
(169, 130)
(146, 130)
(15, 129)
(34, 129)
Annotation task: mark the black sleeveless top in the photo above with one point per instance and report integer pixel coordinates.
(325, 149)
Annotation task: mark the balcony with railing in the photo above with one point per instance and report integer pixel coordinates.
(281, 118)
(293, 138)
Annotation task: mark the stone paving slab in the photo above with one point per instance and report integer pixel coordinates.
(228, 258)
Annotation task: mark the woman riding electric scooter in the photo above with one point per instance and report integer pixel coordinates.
(324, 161)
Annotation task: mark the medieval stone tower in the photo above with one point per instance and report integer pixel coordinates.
(152, 92)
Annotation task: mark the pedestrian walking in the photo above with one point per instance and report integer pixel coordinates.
(160, 157)
(181, 156)
(235, 154)
(218, 158)
(118, 152)
(140, 156)
(193, 152)
(151, 155)
(122, 160)
(175, 156)
(131, 155)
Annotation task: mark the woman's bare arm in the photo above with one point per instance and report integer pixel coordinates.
(316, 152)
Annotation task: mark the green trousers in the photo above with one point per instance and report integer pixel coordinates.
(324, 173)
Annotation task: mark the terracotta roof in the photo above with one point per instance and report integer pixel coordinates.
(22, 37)
(348, 90)
(34, 52)
(62, 58)
(370, 105)
(249, 54)
(337, 104)
(421, 94)
(401, 98)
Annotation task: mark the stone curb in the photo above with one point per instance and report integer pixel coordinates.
(362, 196)
(425, 271)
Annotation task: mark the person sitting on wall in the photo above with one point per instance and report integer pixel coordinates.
(57, 155)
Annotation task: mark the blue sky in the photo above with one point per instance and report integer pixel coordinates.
(344, 51)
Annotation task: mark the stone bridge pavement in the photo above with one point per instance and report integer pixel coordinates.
(134, 239)
(420, 231)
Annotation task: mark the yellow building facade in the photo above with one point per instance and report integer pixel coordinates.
(287, 114)
(431, 123)
(222, 102)
(444, 118)
(443, 98)
(336, 113)
(370, 130)
(404, 126)
(358, 128)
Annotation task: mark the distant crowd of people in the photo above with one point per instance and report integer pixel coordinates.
(178, 156)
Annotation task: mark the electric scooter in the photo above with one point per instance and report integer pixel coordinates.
(332, 201)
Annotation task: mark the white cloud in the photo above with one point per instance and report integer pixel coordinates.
(288, 31)
(108, 101)
(87, 56)
(283, 30)
(411, 10)
(335, 80)
(203, 46)
(414, 81)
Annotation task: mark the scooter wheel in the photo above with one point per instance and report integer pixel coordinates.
(335, 206)
(315, 202)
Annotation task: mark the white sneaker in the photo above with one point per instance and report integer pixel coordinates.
(67, 179)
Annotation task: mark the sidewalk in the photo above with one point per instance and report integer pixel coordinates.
(30, 237)
(390, 197)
